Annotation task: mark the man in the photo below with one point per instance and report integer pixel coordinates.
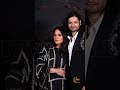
(100, 62)
(76, 50)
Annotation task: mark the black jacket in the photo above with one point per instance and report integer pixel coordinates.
(77, 65)
(102, 71)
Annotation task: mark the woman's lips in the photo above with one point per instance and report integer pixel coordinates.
(56, 40)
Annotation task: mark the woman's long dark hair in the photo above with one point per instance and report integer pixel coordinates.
(65, 23)
(64, 45)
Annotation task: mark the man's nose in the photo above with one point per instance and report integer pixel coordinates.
(72, 24)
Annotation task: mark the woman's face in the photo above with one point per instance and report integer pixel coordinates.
(58, 38)
(74, 24)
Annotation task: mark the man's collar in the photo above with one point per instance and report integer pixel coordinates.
(97, 24)
(74, 37)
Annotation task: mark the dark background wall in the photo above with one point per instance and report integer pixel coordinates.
(16, 19)
(25, 21)
(32, 19)
(49, 13)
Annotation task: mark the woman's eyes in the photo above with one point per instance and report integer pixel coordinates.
(57, 35)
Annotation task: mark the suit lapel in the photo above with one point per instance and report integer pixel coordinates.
(102, 34)
(77, 43)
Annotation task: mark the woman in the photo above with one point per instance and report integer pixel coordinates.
(57, 56)
(56, 61)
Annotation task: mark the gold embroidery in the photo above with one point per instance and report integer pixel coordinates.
(76, 80)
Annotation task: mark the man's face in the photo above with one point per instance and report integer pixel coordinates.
(94, 6)
(73, 24)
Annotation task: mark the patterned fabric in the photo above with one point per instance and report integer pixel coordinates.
(114, 37)
(42, 70)
(19, 76)
(45, 61)
(28, 72)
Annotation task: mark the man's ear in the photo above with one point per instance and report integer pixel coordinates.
(80, 22)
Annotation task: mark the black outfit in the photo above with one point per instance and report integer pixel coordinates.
(56, 60)
(77, 65)
(102, 71)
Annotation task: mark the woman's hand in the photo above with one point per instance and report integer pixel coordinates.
(59, 71)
